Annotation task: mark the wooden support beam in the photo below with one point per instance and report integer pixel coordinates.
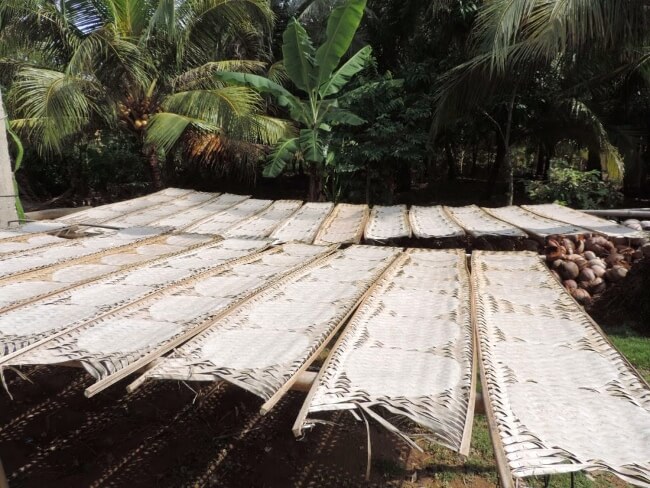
(3, 477)
(7, 198)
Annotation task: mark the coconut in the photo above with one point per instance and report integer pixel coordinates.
(582, 296)
(597, 285)
(633, 224)
(568, 245)
(599, 271)
(616, 274)
(597, 262)
(594, 246)
(589, 255)
(614, 258)
(586, 274)
(570, 284)
(646, 250)
(569, 270)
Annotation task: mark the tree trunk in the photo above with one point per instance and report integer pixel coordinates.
(507, 160)
(7, 198)
(451, 163)
(154, 167)
(539, 172)
(368, 181)
(474, 167)
(499, 158)
(404, 177)
(593, 159)
(315, 184)
(549, 150)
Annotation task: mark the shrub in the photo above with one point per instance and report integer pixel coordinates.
(575, 188)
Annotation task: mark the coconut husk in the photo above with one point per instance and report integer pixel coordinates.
(626, 302)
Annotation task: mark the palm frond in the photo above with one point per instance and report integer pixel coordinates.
(549, 28)
(203, 76)
(166, 128)
(107, 55)
(206, 24)
(53, 106)
(278, 73)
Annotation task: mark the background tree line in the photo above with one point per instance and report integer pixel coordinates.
(379, 101)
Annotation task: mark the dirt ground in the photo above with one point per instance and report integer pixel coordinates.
(166, 435)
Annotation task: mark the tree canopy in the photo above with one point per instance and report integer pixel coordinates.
(371, 100)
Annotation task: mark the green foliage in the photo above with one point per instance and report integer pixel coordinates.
(575, 188)
(109, 164)
(392, 142)
(118, 63)
(313, 72)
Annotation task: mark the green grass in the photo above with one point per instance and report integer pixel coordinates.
(444, 468)
(635, 348)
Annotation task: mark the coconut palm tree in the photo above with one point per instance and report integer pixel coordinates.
(145, 66)
(584, 44)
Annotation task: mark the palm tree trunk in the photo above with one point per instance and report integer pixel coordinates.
(508, 161)
(474, 167)
(451, 163)
(154, 167)
(499, 159)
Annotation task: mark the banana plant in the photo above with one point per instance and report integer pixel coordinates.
(320, 75)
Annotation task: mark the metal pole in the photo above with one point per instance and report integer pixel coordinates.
(624, 213)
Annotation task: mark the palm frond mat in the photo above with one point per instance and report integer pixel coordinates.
(407, 352)
(562, 398)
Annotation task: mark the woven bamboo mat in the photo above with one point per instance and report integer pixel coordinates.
(103, 213)
(407, 352)
(560, 395)
(387, 223)
(184, 203)
(219, 223)
(71, 249)
(23, 242)
(433, 223)
(117, 340)
(30, 228)
(535, 225)
(581, 219)
(196, 214)
(37, 284)
(303, 225)
(261, 225)
(43, 318)
(265, 343)
(344, 225)
(478, 223)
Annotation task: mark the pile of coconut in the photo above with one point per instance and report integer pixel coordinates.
(586, 266)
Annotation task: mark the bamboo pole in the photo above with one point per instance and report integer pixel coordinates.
(7, 191)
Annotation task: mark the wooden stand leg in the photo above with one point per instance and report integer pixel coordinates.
(3, 478)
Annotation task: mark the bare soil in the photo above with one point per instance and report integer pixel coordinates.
(167, 435)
